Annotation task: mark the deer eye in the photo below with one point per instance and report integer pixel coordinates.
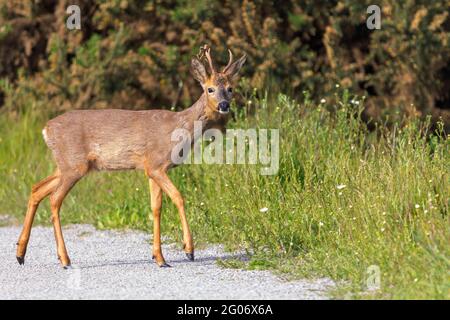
(230, 89)
(211, 90)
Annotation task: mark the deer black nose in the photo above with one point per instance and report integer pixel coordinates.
(224, 107)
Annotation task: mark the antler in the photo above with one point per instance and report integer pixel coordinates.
(230, 61)
(205, 52)
(201, 51)
(208, 57)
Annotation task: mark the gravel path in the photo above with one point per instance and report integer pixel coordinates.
(117, 265)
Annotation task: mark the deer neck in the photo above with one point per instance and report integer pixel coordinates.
(200, 112)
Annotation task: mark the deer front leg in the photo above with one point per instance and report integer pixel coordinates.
(39, 192)
(56, 198)
(169, 188)
(156, 204)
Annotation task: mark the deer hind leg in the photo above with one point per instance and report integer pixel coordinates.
(156, 204)
(169, 188)
(39, 191)
(56, 198)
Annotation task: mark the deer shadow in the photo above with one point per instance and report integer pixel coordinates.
(199, 261)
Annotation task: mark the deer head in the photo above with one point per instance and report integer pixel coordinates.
(217, 86)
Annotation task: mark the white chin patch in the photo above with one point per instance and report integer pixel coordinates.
(223, 112)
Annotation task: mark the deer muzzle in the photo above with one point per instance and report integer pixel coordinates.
(223, 107)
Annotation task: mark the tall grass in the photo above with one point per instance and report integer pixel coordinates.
(343, 200)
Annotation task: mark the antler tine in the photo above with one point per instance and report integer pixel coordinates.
(230, 61)
(208, 57)
(201, 51)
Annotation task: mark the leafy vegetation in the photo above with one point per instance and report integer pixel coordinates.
(292, 46)
(344, 198)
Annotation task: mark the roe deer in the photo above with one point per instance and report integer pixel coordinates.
(85, 140)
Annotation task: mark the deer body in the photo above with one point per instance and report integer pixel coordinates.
(113, 139)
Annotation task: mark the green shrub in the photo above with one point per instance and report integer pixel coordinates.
(139, 51)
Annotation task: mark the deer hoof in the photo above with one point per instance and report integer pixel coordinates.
(164, 265)
(68, 267)
(190, 256)
(21, 260)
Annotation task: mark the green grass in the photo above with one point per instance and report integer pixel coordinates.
(392, 212)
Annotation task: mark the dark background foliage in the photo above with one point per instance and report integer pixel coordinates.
(135, 53)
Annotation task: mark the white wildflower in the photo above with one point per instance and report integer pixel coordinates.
(263, 210)
(340, 186)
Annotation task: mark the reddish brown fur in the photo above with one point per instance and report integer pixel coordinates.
(86, 140)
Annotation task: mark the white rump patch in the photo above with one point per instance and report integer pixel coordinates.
(44, 134)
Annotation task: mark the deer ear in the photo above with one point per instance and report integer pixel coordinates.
(198, 70)
(234, 68)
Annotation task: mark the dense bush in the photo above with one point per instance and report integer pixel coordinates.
(135, 53)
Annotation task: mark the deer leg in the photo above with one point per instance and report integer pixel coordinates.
(169, 188)
(38, 193)
(56, 199)
(156, 204)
